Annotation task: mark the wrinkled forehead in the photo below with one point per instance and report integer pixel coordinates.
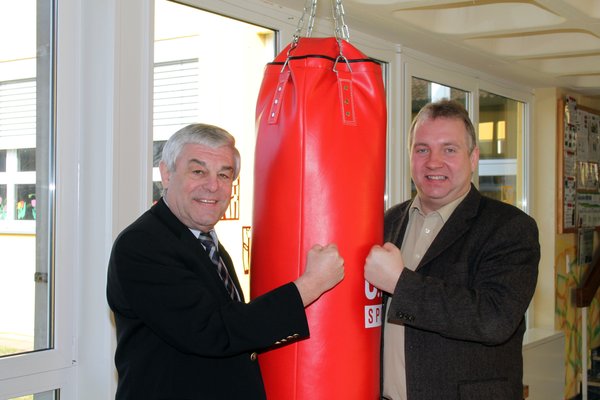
(207, 155)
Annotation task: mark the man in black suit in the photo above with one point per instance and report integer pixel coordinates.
(458, 289)
(183, 328)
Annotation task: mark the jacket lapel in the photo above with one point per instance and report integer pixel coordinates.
(189, 241)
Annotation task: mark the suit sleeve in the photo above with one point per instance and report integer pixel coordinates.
(152, 284)
(479, 289)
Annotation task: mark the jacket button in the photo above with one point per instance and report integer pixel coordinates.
(253, 356)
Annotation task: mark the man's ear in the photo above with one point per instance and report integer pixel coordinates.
(165, 174)
(474, 159)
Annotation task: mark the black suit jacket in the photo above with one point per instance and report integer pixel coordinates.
(179, 335)
(463, 308)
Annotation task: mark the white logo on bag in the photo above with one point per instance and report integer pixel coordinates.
(373, 316)
(372, 313)
(371, 291)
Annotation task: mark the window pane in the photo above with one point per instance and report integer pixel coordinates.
(25, 159)
(2, 202)
(501, 124)
(50, 395)
(157, 148)
(25, 195)
(26, 140)
(2, 160)
(193, 81)
(424, 92)
(157, 189)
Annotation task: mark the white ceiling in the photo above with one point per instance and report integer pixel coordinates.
(541, 43)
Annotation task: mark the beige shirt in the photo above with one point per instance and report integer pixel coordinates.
(420, 232)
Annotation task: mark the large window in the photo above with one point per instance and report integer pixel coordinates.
(200, 79)
(26, 177)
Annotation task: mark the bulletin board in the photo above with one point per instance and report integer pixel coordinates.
(578, 153)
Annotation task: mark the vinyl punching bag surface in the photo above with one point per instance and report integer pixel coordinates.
(319, 178)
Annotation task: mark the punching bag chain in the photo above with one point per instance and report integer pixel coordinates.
(341, 29)
(300, 26)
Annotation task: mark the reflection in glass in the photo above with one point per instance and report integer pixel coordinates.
(424, 91)
(501, 125)
(157, 189)
(25, 159)
(50, 395)
(26, 177)
(26, 203)
(2, 160)
(157, 148)
(2, 202)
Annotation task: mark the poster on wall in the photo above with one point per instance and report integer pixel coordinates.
(585, 246)
(579, 167)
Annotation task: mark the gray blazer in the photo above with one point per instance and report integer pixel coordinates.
(463, 307)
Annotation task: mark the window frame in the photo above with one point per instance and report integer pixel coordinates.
(526, 98)
(47, 370)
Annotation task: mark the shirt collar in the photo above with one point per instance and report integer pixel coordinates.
(444, 212)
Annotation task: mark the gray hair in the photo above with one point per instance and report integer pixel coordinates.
(444, 109)
(203, 134)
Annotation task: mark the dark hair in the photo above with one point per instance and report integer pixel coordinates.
(444, 109)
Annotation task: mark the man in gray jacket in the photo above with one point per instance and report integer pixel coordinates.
(459, 270)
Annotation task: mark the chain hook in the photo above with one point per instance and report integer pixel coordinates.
(341, 30)
(309, 11)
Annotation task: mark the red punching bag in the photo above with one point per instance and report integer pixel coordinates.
(319, 178)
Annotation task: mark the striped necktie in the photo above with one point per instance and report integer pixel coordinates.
(213, 253)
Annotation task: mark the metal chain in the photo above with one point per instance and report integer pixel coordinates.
(311, 21)
(341, 32)
(298, 33)
(337, 9)
(341, 29)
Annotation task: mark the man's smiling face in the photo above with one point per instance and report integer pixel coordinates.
(440, 163)
(199, 189)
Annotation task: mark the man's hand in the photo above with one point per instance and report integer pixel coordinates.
(383, 267)
(324, 269)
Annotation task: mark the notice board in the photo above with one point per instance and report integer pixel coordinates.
(578, 153)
